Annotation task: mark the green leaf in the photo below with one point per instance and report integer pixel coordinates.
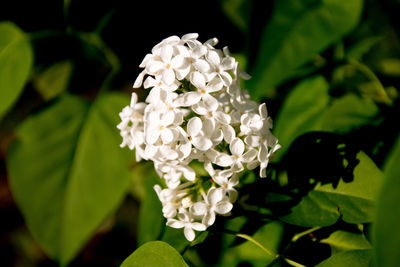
(390, 66)
(361, 48)
(355, 201)
(296, 33)
(238, 11)
(342, 241)
(269, 236)
(16, 59)
(353, 258)
(302, 111)
(155, 253)
(151, 219)
(348, 112)
(67, 171)
(54, 80)
(387, 230)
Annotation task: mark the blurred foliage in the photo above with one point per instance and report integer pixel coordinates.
(328, 70)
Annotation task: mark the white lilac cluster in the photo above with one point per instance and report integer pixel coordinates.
(198, 127)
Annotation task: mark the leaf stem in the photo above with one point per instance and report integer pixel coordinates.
(249, 238)
(299, 235)
(267, 250)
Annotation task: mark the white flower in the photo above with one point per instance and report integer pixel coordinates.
(196, 113)
(221, 177)
(161, 125)
(214, 202)
(165, 64)
(187, 222)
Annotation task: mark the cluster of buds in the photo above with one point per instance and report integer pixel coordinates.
(199, 128)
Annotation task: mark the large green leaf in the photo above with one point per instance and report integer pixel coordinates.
(297, 31)
(302, 111)
(309, 107)
(353, 258)
(387, 228)
(151, 220)
(67, 171)
(155, 253)
(343, 241)
(348, 112)
(16, 59)
(355, 201)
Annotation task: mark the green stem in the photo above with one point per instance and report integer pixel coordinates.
(367, 71)
(276, 256)
(299, 235)
(249, 238)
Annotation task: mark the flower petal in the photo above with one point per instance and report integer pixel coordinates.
(223, 207)
(190, 36)
(139, 79)
(208, 127)
(202, 143)
(201, 65)
(209, 219)
(213, 57)
(167, 136)
(199, 209)
(214, 195)
(189, 233)
(152, 136)
(168, 76)
(222, 117)
(149, 82)
(166, 53)
(168, 118)
(210, 103)
(175, 223)
(198, 226)
(229, 133)
(194, 126)
(154, 67)
(223, 160)
(178, 62)
(249, 155)
(262, 109)
(198, 80)
(237, 147)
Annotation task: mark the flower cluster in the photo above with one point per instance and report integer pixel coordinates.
(198, 127)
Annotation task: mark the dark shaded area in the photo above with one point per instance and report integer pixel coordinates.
(313, 158)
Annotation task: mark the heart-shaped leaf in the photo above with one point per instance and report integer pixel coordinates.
(354, 201)
(67, 171)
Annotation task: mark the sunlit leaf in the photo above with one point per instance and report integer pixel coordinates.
(342, 241)
(353, 258)
(155, 253)
(348, 112)
(297, 31)
(16, 59)
(302, 111)
(387, 231)
(67, 171)
(54, 80)
(354, 201)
